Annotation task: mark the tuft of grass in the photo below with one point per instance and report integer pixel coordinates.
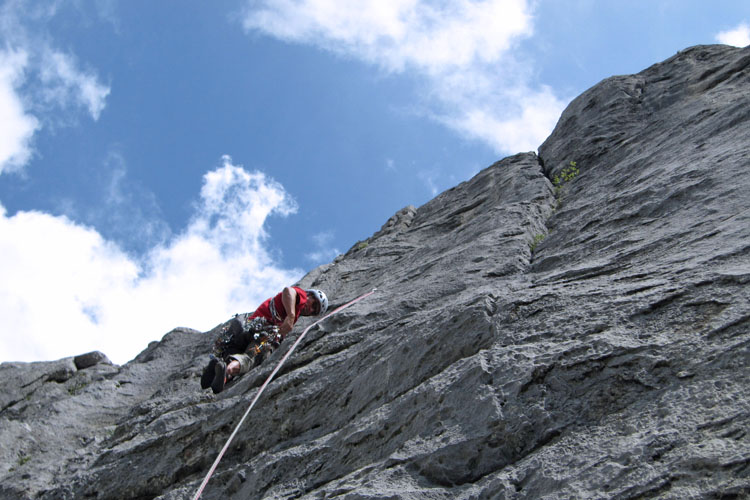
(537, 239)
(77, 387)
(22, 459)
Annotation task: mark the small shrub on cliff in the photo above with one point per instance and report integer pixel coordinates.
(560, 180)
(566, 175)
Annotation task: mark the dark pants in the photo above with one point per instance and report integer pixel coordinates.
(239, 334)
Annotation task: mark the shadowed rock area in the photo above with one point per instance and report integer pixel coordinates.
(587, 338)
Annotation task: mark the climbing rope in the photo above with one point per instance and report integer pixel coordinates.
(263, 387)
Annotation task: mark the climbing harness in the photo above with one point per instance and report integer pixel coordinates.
(263, 387)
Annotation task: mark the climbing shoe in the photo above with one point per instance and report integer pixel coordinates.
(220, 369)
(208, 373)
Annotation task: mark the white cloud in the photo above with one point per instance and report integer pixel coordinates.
(431, 36)
(123, 210)
(64, 84)
(430, 180)
(66, 290)
(534, 115)
(738, 37)
(462, 50)
(16, 126)
(322, 250)
(53, 83)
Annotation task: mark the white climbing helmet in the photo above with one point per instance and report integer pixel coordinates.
(322, 299)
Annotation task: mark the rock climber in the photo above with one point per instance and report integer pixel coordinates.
(246, 339)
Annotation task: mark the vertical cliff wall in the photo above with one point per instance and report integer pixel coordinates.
(585, 338)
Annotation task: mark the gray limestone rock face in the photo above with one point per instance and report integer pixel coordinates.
(544, 330)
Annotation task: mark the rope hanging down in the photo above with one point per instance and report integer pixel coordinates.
(263, 387)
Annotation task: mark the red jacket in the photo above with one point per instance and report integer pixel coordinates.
(273, 309)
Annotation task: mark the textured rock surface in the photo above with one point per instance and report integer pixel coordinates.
(611, 361)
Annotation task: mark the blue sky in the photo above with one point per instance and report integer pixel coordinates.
(171, 163)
